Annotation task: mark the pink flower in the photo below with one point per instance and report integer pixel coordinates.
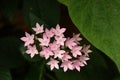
(45, 41)
(38, 29)
(54, 46)
(86, 49)
(59, 53)
(46, 52)
(76, 51)
(83, 59)
(58, 50)
(49, 33)
(53, 64)
(70, 43)
(29, 39)
(77, 64)
(60, 40)
(77, 38)
(58, 31)
(66, 57)
(67, 65)
(32, 50)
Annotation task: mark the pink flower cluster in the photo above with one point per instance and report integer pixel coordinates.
(63, 52)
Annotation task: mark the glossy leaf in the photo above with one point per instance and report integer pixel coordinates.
(98, 21)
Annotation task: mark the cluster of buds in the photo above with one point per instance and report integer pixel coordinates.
(61, 52)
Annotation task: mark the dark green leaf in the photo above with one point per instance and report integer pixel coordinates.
(33, 73)
(47, 11)
(36, 71)
(5, 74)
(10, 54)
(66, 2)
(98, 21)
(34, 19)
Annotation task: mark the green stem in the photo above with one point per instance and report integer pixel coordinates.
(42, 69)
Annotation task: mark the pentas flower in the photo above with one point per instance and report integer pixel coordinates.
(53, 64)
(60, 40)
(49, 33)
(29, 39)
(70, 43)
(38, 29)
(58, 31)
(77, 37)
(44, 41)
(54, 46)
(46, 52)
(67, 65)
(83, 59)
(32, 50)
(66, 57)
(76, 51)
(86, 49)
(77, 64)
(59, 53)
(58, 50)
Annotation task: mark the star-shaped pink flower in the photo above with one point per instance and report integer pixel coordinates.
(58, 31)
(32, 50)
(46, 52)
(54, 46)
(76, 51)
(86, 49)
(70, 43)
(77, 38)
(83, 59)
(60, 40)
(53, 64)
(29, 39)
(45, 41)
(66, 57)
(49, 33)
(77, 64)
(38, 29)
(58, 53)
(67, 65)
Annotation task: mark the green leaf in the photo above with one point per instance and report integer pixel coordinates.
(66, 2)
(34, 19)
(33, 73)
(98, 21)
(5, 74)
(36, 71)
(8, 7)
(47, 11)
(97, 69)
(10, 54)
